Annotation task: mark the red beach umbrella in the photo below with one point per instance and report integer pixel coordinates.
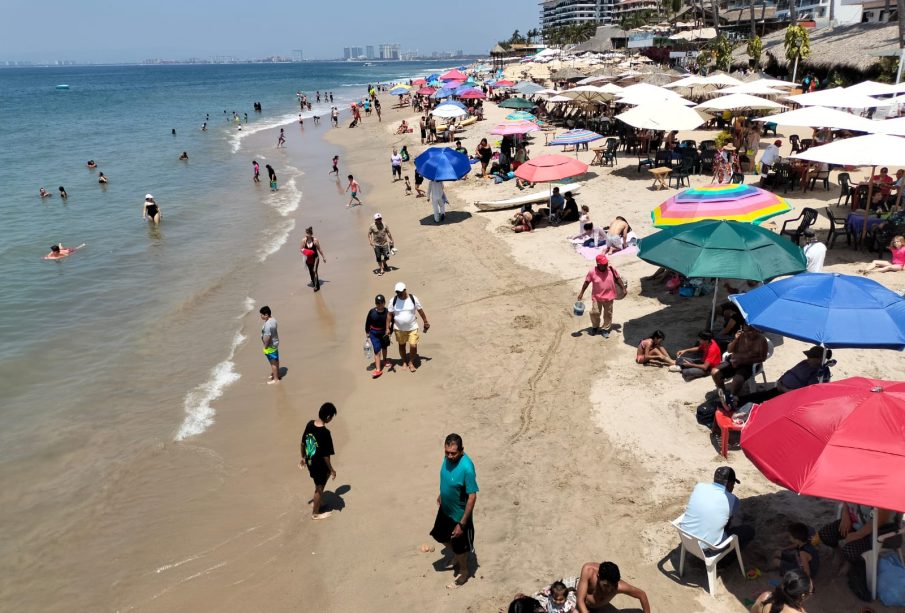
(453, 75)
(426, 91)
(419, 82)
(472, 94)
(504, 83)
(843, 440)
(550, 168)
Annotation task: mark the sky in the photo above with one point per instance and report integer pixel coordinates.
(133, 30)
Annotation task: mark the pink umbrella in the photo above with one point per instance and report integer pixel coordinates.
(472, 94)
(515, 127)
(453, 75)
(550, 168)
(504, 83)
(419, 82)
(425, 91)
(453, 84)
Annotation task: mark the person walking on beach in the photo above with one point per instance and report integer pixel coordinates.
(335, 170)
(257, 171)
(599, 583)
(381, 241)
(281, 141)
(402, 318)
(150, 210)
(377, 334)
(272, 176)
(437, 195)
(317, 449)
(603, 280)
(454, 524)
(271, 341)
(355, 188)
(396, 165)
(422, 124)
(311, 250)
(334, 115)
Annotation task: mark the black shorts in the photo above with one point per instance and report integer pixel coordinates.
(729, 371)
(382, 253)
(423, 133)
(442, 533)
(319, 474)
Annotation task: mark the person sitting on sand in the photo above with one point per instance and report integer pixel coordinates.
(403, 127)
(570, 209)
(44, 193)
(651, 351)
(788, 596)
(707, 356)
(585, 216)
(184, 157)
(805, 373)
(590, 236)
(897, 248)
(599, 583)
(558, 597)
(732, 323)
(522, 221)
(58, 251)
(800, 555)
(617, 235)
(524, 604)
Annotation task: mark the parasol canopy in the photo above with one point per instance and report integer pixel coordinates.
(515, 127)
(829, 309)
(521, 116)
(517, 103)
(820, 117)
(575, 137)
(739, 102)
(729, 202)
(442, 164)
(664, 116)
(550, 168)
(453, 75)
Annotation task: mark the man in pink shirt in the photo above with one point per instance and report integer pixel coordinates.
(603, 281)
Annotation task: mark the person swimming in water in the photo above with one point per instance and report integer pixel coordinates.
(63, 193)
(101, 178)
(44, 193)
(150, 210)
(184, 157)
(91, 164)
(58, 251)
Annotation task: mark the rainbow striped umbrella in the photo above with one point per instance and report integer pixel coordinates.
(723, 202)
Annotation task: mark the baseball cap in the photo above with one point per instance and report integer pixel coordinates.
(377, 216)
(817, 352)
(149, 197)
(777, 142)
(602, 260)
(400, 287)
(725, 474)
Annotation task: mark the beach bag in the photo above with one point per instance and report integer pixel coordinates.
(620, 292)
(891, 581)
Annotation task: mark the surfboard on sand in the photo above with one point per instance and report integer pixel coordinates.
(532, 198)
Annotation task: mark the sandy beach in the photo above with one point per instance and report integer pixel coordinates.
(581, 454)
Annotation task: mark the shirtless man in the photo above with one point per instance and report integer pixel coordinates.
(599, 583)
(617, 235)
(58, 251)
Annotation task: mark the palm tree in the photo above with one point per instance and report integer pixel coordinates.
(715, 5)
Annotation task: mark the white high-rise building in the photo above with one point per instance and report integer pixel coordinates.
(388, 51)
(554, 13)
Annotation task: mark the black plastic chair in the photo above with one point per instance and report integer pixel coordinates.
(644, 161)
(805, 220)
(769, 127)
(837, 227)
(845, 188)
(663, 158)
(824, 176)
(707, 145)
(682, 173)
(737, 177)
(707, 158)
(609, 154)
(688, 143)
(796, 143)
(806, 143)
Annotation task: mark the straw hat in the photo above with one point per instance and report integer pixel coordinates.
(729, 147)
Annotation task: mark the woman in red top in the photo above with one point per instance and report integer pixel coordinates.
(707, 356)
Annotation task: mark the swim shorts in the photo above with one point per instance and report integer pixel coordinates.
(442, 533)
(271, 353)
(407, 336)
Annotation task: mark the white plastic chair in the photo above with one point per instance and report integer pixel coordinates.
(692, 544)
(758, 369)
(872, 556)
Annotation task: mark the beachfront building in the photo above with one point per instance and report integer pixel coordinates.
(352, 53)
(624, 8)
(845, 12)
(555, 13)
(388, 51)
(369, 52)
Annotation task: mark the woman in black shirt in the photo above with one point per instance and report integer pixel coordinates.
(376, 333)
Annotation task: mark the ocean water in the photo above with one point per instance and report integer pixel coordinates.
(132, 338)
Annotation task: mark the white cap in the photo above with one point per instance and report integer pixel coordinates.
(149, 197)
(377, 216)
(400, 287)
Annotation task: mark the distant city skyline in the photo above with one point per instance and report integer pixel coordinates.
(100, 31)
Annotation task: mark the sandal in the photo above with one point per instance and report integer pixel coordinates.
(376, 374)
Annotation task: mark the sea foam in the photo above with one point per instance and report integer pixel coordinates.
(199, 414)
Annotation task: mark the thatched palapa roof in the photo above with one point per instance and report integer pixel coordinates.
(602, 40)
(855, 46)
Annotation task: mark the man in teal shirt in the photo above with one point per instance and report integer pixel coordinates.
(454, 527)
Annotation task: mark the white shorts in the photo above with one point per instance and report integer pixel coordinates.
(614, 241)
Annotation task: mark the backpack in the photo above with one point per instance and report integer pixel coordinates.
(310, 448)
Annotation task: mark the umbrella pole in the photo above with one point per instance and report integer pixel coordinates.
(716, 288)
(870, 195)
(872, 571)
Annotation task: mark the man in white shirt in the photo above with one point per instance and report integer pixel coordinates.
(402, 316)
(396, 162)
(814, 251)
(710, 509)
(770, 157)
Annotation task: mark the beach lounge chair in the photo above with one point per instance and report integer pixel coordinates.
(714, 553)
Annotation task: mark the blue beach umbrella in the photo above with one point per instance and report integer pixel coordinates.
(456, 104)
(433, 77)
(463, 88)
(442, 164)
(828, 309)
(443, 93)
(521, 116)
(575, 137)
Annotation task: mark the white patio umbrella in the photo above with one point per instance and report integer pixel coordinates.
(646, 98)
(587, 94)
(893, 127)
(722, 80)
(559, 98)
(820, 117)
(871, 88)
(754, 89)
(611, 88)
(694, 85)
(547, 92)
(837, 97)
(663, 116)
(739, 102)
(777, 83)
(870, 150)
(597, 79)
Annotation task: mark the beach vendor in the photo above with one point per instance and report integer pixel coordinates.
(603, 280)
